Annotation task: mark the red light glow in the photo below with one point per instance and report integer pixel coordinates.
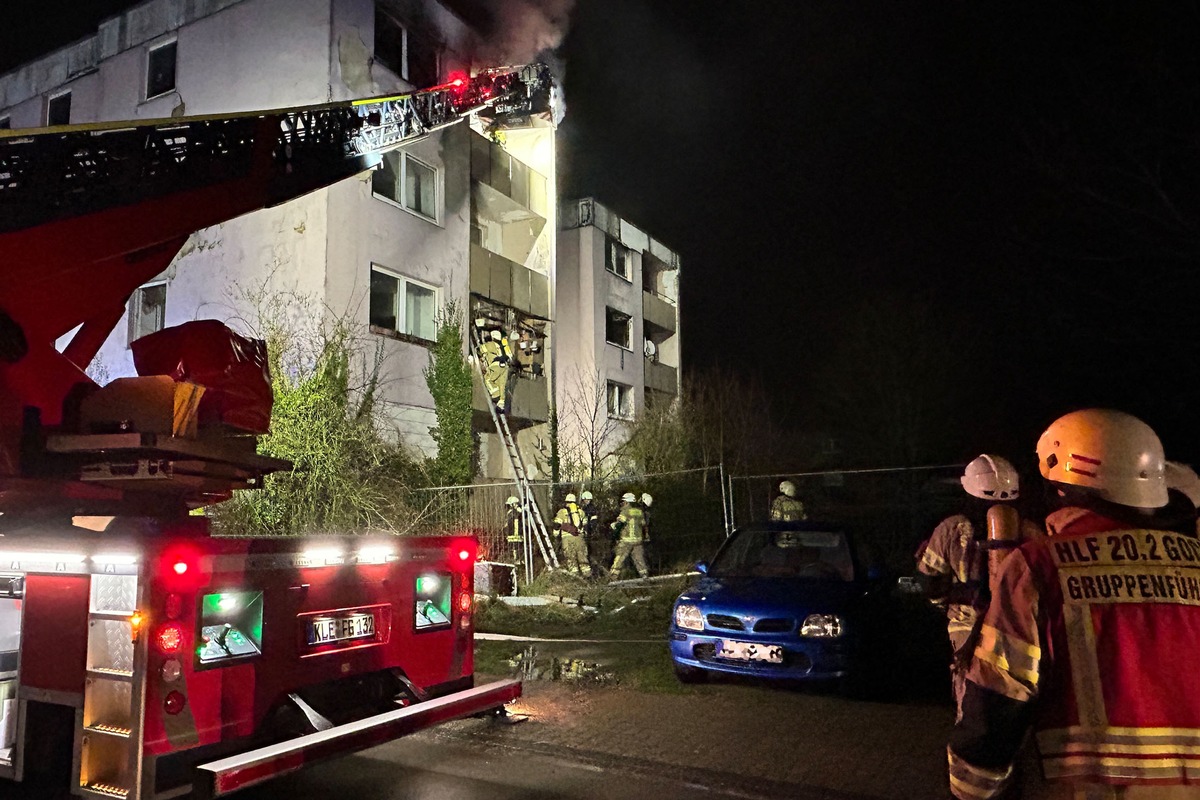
(464, 602)
(457, 82)
(464, 555)
(169, 638)
(180, 567)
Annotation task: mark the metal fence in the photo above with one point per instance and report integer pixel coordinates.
(889, 511)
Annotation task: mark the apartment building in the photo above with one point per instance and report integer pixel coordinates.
(466, 214)
(617, 324)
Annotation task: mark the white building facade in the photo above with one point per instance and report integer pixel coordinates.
(453, 216)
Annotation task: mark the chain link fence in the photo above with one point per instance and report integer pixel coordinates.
(889, 511)
(688, 515)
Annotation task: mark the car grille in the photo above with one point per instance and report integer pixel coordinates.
(779, 625)
(725, 622)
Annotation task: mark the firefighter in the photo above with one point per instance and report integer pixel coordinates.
(1092, 632)
(786, 508)
(514, 529)
(569, 524)
(633, 534)
(1183, 479)
(955, 559)
(598, 548)
(497, 358)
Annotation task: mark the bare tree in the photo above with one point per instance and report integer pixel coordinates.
(589, 434)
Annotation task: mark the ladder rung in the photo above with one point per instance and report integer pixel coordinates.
(109, 730)
(107, 790)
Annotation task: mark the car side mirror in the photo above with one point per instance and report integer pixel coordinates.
(702, 567)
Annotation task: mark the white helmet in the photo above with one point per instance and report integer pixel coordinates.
(512, 501)
(628, 498)
(1183, 479)
(1111, 453)
(586, 496)
(496, 335)
(647, 499)
(570, 498)
(991, 478)
(787, 488)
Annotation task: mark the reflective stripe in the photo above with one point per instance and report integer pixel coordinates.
(1085, 667)
(968, 781)
(1009, 654)
(933, 563)
(1125, 754)
(1055, 739)
(1123, 769)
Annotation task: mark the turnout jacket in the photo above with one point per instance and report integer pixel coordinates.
(1093, 637)
(954, 551)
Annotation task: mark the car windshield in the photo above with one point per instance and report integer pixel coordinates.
(785, 554)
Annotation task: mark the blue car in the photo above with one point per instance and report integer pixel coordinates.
(779, 600)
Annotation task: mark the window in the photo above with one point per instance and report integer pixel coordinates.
(147, 310)
(58, 110)
(5, 123)
(618, 328)
(160, 70)
(616, 258)
(411, 183)
(620, 400)
(409, 55)
(401, 305)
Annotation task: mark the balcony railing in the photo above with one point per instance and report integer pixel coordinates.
(527, 396)
(492, 165)
(509, 283)
(661, 377)
(659, 313)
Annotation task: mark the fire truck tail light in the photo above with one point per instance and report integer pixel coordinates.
(464, 554)
(180, 567)
(170, 638)
(171, 670)
(174, 702)
(135, 625)
(464, 603)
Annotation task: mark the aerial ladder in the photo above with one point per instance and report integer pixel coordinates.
(531, 513)
(117, 629)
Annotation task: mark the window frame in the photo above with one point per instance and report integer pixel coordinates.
(627, 345)
(401, 309)
(405, 70)
(135, 313)
(401, 175)
(613, 245)
(50, 100)
(609, 396)
(150, 51)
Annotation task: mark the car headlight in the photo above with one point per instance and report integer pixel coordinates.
(689, 617)
(826, 626)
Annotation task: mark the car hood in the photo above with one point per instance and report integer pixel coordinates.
(767, 595)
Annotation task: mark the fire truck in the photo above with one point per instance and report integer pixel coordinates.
(140, 656)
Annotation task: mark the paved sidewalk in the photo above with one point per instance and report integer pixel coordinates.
(775, 742)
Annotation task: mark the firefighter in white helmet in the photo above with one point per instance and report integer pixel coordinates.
(633, 532)
(1183, 479)
(786, 508)
(497, 358)
(1091, 634)
(598, 548)
(569, 524)
(955, 559)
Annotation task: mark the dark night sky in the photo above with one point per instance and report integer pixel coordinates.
(959, 219)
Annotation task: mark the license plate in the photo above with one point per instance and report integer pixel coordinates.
(339, 629)
(750, 651)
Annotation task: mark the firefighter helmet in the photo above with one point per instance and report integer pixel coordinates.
(496, 335)
(628, 498)
(1112, 454)
(991, 478)
(647, 499)
(1184, 480)
(586, 496)
(512, 501)
(787, 488)
(570, 498)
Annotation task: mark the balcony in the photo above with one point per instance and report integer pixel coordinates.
(658, 312)
(662, 378)
(524, 190)
(509, 283)
(528, 399)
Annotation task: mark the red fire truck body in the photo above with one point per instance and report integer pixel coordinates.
(140, 656)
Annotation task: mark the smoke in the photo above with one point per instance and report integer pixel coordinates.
(527, 30)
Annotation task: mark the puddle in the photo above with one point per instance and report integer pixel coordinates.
(536, 664)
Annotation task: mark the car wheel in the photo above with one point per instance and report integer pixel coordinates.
(687, 674)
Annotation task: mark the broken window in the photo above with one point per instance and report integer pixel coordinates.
(407, 181)
(58, 110)
(618, 328)
(160, 70)
(402, 305)
(147, 310)
(620, 400)
(409, 55)
(616, 258)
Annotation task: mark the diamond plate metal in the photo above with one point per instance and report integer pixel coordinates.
(114, 594)
(110, 645)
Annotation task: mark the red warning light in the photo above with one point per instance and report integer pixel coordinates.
(464, 554)
(464, 602)
(169, 638)
(174, 702)
(457, 82)
(180, 567)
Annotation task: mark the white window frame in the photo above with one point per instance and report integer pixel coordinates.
(51, 98)
(628, 321)
(146, 82)
(401, 177)
(135, 310)
(611, 242)
(620, 389)
(402, 308)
